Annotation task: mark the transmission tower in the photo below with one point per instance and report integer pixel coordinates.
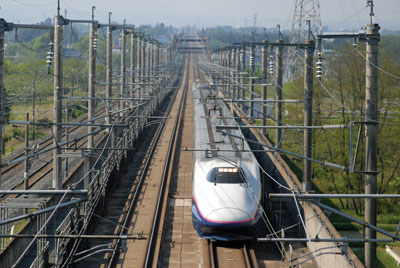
(304, 10)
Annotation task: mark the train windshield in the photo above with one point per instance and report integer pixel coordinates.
(226, 175)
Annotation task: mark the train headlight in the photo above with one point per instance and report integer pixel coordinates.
(227, 170)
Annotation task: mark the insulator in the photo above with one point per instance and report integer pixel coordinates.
(271, 70)
(251, 60)
(319, 68)
(95, 43)
(120, 42)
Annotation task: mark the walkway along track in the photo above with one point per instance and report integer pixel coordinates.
(143, 212)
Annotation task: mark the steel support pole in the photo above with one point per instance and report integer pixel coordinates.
(132, 66)
(158, 57)
(143, 64)
(251, 81)
(123, 71)
(91, 95)
(233, 72)
(236, 92)
(66, 168)
(2, 99)
(58, 88)
(308, 99)
(148, 55)
(371, 138)
(138, 62)
(278, 90)
(264, 91)
(228, 54)
(153, 58)
(33, 109)
(109, 83)
(242, 69)
(222, 77)
(26, 173)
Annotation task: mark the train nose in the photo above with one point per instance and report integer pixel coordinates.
(228, 215)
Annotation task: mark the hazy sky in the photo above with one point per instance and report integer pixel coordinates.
(335, 13)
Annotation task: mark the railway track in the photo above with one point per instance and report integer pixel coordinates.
(180, 243)
(125, 209)
(45, 168)
(145, 204)
(48, 141)
(40, 173)
(146, 208)
(228, 254)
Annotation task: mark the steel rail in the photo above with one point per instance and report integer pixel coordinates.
(152, 238)
(132, 204)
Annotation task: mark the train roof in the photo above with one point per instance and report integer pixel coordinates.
(210, 111)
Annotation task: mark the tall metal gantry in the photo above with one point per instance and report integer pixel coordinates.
(304, 11)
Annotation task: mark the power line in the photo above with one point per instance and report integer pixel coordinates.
(35, 5)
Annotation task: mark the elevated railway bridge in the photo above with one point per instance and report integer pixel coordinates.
(125, 197)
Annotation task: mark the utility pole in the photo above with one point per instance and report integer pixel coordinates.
(138, 63)
(371, 134)
(278, 90)
(252, 74)
(91, 95)
(58, 88)
(66, 139)
(242, 69)
(233, 73)
(158, 54)
(109, 79)
(228, 54)
(33, 109)
(123, 70)
(132, 67)
(153, 57)
(143, 66)
(2, 90)
(308, 99)
(26, 173)
(148, 60)
(264, 66)
(237, 88)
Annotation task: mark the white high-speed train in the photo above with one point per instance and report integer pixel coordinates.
(226, 178)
